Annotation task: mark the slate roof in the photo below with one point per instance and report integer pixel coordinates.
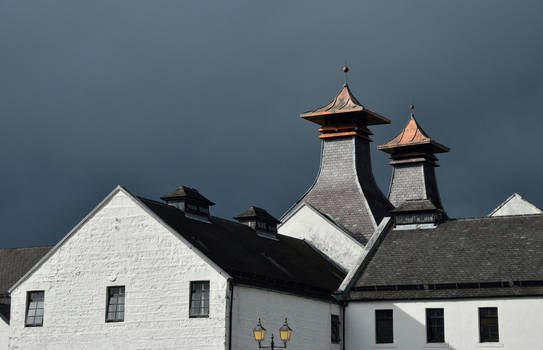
(415, 205)
(287, 264)
(183, 192)
(257, 213)
(14, 263)
(491, 256)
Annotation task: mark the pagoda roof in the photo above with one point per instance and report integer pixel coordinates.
(344, 102)
(413, 135)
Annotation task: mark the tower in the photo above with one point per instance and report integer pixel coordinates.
(345, 191)
(413, 188)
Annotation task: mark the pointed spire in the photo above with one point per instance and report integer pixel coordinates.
(413, 135)
(342, 105)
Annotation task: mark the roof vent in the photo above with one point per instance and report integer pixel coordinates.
(189, 201)
(259, 220)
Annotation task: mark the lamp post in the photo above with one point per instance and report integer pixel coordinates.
(259, 333)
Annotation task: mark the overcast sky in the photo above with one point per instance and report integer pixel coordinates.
(156, 94)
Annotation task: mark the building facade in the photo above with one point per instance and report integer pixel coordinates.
(351, 268)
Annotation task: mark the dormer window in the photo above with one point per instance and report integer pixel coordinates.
(189, 201)
(259, 220)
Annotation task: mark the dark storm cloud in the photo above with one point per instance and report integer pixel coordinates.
(153, 94)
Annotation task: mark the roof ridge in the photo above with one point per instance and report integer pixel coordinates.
(493, 217)
(29, 247)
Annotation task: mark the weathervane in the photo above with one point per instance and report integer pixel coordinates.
(412, 108)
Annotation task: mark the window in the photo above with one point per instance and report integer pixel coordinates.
(435, 329)
(115, 304)
(383, 327)
(488, 325)
(336, 339)
(34, 309)
(199, 299)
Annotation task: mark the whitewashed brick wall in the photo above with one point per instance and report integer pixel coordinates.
(309, 319)
(519, 322)
(309, 225)
(4, 333)
(121, 245)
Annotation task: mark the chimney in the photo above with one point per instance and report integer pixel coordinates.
(259, 220)
(345, 190)
(189, 201)
(413, 188)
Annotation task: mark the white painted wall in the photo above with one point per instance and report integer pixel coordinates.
(121, 245)
(520, 322)
(309, 225)
(4, 333)
(515, 205)
(309, 319)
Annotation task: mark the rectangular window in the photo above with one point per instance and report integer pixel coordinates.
(435, 327)
(115, 304)
(488, 325)
(199, 299)
(383, 327)
(34, 309)
(336, 339)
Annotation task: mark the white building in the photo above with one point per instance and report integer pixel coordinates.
(139, 274)
(351, 268)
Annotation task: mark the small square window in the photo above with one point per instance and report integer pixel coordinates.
(384, 332)
(34, 309)
(199, 299)
(488, 325)
(435, 327)
(115, 304)
(336, 339)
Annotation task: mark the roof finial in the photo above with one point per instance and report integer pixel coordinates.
(345, 70)
(412, 108)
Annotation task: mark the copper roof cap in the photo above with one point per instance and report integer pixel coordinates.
(344, 102)
(413, 135)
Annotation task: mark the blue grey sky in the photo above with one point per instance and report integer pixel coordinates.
(155, 94)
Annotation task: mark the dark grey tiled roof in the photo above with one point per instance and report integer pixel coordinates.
(257, 213)
(457, 253)
(446, 293)
(345, 189)
(15, 262)
(415, 205)
(183, 192)
(287, 264)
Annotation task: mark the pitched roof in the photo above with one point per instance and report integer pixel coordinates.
(344, 102)
(257, 213)
(286, 264)
(183, 192)
(412, 135)
(479, 256)
(15, 262)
